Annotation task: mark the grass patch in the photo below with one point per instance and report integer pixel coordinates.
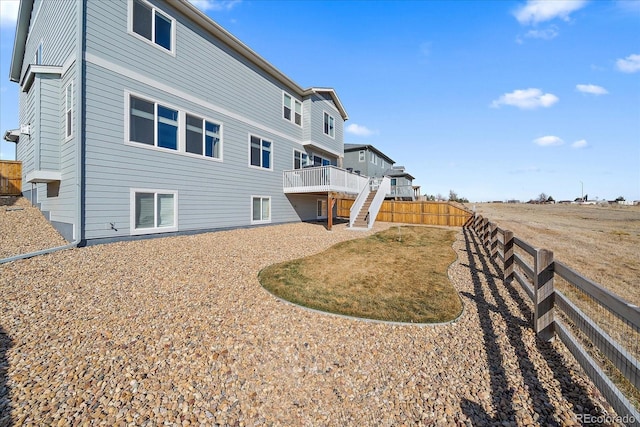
(397, 275)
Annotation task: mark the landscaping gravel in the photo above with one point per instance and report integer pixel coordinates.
(23, 229)
(179, 331)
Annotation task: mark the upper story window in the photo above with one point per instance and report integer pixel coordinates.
(361, 156)
(291, 109)
(374, 158)
(203, 137)
(153, 25)
(260, 153)
(329, 125)
(37, 60)
(68, 110)
(300, 159)
(153, 124)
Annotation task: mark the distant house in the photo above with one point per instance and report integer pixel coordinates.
(368, 160)
(147, 117)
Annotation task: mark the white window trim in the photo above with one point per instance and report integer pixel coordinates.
(270, 168)
(182, 128)
(181, 124)
(334, 124)
(362, 156)
(132, 212)
(293, 109)
(37, 57)
(183, 149)
(171, 52)
(262, 221)
(297, 150)
(68, 132)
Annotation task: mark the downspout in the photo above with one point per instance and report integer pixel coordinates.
(79, 127)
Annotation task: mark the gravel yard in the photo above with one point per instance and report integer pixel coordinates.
(179, 331)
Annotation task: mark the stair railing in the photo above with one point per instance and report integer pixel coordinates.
(383, 188)
(357, 205)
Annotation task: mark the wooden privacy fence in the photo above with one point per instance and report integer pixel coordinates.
(10, 178)
(605, 344)
(427, 213)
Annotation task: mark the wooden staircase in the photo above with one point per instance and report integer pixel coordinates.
(361, 220)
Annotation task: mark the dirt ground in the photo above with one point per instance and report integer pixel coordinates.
(600, 242)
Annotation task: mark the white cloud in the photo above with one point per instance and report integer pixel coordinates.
(526, 99)
(592, 89)
(9, 12)
(580, 144)
(630, 64)
(548, 141)
(358, 130)
(536, 11)
(546, 34)
(214, 5)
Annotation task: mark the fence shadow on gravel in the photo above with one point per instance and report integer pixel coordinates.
(503, 394)
(5, 402)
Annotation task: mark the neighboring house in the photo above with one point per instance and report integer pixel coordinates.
(368, 160)
(145, 116)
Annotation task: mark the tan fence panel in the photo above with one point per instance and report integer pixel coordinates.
(10, 178)
(427, 213)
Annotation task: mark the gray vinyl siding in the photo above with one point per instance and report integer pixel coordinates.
(351, 160)
(318, 105)
(54, 24)
(210, 194)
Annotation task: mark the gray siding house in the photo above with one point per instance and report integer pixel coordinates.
(141, 117)
(368, 160)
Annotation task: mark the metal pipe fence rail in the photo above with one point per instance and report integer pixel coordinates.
(606, 342)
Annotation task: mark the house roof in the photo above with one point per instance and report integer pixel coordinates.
(358, 147)
(398, 171)
(192, 12)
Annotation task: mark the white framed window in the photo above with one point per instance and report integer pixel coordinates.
(202, 137)
(153, 211)
(260, 209)
(374, 158)
(152, 123)
(68, 111)
(361, 156)
(152, 25)
(329, 125)
(260, 153)
(37, 59)
(291, 109)
(300, 159)
(321, 208)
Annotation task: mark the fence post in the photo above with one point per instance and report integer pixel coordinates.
(507, 269)
(485, 232)
(544, 294)
(493, 240)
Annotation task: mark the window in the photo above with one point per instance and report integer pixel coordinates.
(329, 125)
(37, 60)
(153, 25)
(260, 209)
(153, 211)
(291, 109)
(361, 156)
(393, 182)
(152, 124)
(68, 111)
(374, 158)
(260, 152)
(203, 137)
(300, 159)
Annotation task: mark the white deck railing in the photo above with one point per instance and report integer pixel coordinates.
(321, 179)
(402, 191)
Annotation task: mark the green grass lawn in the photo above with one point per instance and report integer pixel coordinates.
(397, 275)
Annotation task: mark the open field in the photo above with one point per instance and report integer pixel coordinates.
(600, 242)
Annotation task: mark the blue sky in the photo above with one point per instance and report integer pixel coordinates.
(492, 99)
